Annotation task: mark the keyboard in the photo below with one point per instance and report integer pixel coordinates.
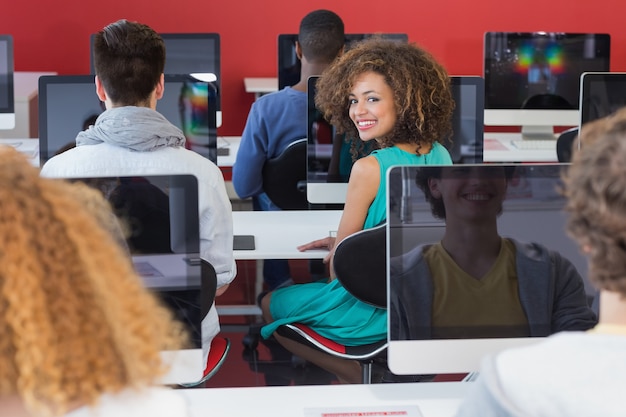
(534, 144)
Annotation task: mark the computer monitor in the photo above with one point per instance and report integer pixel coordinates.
(7, 102)
(329, 160)
(601, 94)
(425, 335)
(192, 53)
(159, 214)
(289, 64)
(68, 104)
(532, 78)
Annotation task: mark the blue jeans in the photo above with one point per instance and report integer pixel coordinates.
(275, 271)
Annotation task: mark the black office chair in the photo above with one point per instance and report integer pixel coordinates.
(546, 101)
(219, 345)
(284, 177)
(361, 266)
(565, 143)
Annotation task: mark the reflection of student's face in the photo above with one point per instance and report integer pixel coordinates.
(470, 192)
(372, 107)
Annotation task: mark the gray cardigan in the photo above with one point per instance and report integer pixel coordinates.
(551, 292)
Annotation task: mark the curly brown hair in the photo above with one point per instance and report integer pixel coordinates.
(596, 200)
(421, 88)
(75, 319)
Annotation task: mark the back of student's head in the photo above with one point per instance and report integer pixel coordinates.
(321, 36)
(129, 58)
(75, 319)
(596, 192)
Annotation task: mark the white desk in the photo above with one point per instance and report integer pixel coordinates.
(260, 86)
(278, 233)
(498, 148)
(435, 399)
(232, 144)
(29, 147)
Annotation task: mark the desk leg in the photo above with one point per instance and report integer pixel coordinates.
(258, 285)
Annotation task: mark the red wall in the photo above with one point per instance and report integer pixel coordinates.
(54, 36)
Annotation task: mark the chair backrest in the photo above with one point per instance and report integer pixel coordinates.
(564, 144)
(209, 286)
(284, 177)
(360, 263)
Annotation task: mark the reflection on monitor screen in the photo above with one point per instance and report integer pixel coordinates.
(329, 160)
(289, 64)
(479, 260)
(529, 73)
(159, 214)
(68, 104)
(192, 53)
(7, 103)
(601, 94)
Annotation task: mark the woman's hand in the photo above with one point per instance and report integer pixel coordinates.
(324, 243)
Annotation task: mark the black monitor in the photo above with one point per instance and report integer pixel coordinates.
(329, 161)
(289, 64)
(159, 214)
(601, 94)
(192, 53)
(7, 102)
(69, 104)
(532, 79)
(431, 328)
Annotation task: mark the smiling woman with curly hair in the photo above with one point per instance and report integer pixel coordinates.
(78, 327)
(397, 96)
(421, 92)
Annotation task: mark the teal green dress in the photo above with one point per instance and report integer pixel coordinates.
(327, 307)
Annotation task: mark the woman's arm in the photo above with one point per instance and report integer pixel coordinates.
(362, 188)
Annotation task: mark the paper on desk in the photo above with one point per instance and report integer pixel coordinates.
(145, 269)
(396, 410)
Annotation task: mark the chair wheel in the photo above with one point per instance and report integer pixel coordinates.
(250, 341)
(298, 362)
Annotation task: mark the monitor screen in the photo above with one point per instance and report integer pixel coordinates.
(528, 73)
(289, 64)
(329, 160)
(159, 215)
(601, 94)
(68, 104)
(7, 103)
(192, 53)
(450, 301)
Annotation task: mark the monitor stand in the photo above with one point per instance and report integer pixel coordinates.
(538, 133)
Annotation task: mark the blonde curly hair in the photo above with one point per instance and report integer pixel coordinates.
(596, 200)
(421, 87)
(75, 319)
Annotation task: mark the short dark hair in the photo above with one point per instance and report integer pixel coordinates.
(129, 58)
(321, 36)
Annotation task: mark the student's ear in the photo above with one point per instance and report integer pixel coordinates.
(160, 88)
(298, 50)
(341, 51)
(102, 95)
(433, 186)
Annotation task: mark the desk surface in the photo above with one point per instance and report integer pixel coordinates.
(278, 233)
(260, 84)
(436, 399)
(498, 148)
(30, 147)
